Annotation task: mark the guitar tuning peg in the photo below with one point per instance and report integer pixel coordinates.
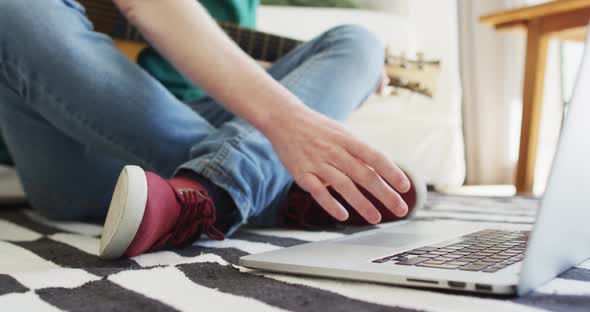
(389, 57)
(403, 60)
(420, 56)
(420, 59)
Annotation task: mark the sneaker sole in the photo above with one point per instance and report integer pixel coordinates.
(125, 213)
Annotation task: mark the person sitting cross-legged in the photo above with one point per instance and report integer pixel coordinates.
(95, 136)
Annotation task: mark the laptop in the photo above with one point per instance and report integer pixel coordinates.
(506, 260)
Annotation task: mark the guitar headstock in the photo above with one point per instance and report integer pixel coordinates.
(417, 75)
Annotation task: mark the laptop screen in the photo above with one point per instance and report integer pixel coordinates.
(561, 236)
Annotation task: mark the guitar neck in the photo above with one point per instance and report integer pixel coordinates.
(259, 45)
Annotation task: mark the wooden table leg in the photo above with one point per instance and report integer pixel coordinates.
(534, 78)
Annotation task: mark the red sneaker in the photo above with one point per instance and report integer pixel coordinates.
(148, 213)
(302, 211)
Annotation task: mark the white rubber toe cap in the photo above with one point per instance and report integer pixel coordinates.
(125, 213)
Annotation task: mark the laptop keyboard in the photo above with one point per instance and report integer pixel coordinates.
(486, 251)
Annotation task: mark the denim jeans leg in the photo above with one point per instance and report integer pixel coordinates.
(74, 110)
(63, 178)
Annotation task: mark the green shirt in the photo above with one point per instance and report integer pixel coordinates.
(242, 12)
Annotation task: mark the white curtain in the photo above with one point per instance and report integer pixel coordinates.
(492, 65)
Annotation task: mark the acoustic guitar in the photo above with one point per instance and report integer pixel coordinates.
(417, 75)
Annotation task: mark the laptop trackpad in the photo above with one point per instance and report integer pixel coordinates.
(385, 239)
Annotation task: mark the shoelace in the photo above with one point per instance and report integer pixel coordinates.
(197, 216)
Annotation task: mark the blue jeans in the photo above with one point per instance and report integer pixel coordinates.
(74, 111)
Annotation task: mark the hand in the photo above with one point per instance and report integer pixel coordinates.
(318, 151)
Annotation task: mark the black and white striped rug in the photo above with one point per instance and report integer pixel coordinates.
(49, 266)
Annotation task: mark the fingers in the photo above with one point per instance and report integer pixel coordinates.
(312, 184)
(344, 185)
(383, 166)
(372, 182)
